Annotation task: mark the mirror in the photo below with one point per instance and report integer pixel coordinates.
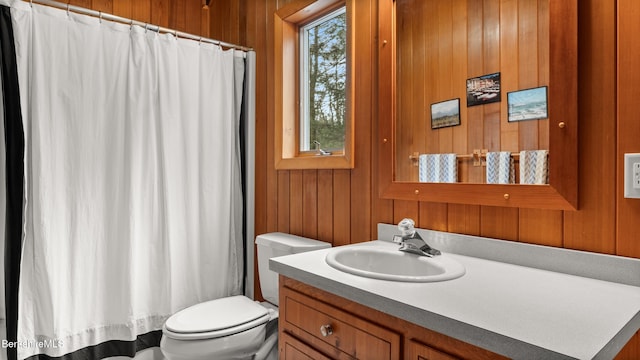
(452, 75)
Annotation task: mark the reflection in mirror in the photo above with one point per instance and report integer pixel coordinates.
(461, 68)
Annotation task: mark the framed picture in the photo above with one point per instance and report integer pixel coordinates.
(445, 114)
(483, 90)
(528, 104)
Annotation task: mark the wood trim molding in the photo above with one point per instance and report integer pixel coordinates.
(286, 23)
(560, 194)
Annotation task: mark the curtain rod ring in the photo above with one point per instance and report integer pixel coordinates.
(31, 3)
(100, 16)
(68, 9)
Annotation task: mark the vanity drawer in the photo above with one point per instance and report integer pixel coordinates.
(333, 332)
(293, 349)
(418, 351)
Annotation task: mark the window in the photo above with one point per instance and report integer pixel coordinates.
(314, 125)
(323, 79)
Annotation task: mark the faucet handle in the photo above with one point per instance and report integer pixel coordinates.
(407, 226)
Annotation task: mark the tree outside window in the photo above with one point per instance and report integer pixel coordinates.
(323, 82)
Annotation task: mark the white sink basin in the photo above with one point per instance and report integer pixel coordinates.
(386, 262)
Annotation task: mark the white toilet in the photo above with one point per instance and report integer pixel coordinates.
(235, 327)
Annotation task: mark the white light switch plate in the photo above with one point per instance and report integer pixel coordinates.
(632, 176)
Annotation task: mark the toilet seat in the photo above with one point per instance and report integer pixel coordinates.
(216, 318)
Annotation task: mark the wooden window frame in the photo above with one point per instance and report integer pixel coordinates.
(287, 22)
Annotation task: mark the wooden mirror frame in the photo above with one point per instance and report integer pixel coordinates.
(562, 191)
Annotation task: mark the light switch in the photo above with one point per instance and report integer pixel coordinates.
(632, 176)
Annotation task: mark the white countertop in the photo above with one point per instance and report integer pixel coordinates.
(516, 311)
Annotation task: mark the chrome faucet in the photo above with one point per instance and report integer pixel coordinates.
(319, 150)
(410, 241)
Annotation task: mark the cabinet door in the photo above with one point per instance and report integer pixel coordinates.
(418, 351)
(293, 349)
(334, 332)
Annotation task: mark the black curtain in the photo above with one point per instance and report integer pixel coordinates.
(14, 143)
(243, 160)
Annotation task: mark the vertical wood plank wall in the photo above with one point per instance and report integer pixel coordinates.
(182, 15)
(628, 137)
(342, 206)
(628, 125)
(333, 205)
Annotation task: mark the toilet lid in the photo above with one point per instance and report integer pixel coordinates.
(226, 315)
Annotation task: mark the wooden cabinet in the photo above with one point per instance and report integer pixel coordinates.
(294, 349)
(318, 325)
(333, 332)
(417, 351)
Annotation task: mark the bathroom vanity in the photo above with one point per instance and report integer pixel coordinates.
(514, 301)
(314, 322)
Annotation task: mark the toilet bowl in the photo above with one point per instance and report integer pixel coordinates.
(235, 327)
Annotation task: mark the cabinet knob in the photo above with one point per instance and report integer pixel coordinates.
(326, 330)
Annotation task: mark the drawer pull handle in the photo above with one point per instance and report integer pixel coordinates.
(326, 330)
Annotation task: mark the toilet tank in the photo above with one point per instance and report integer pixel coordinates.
(279, 244)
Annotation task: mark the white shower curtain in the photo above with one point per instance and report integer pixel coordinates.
(132, 178)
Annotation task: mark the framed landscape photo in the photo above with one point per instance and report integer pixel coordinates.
(483, 90)
(445, 114)
(528, 104)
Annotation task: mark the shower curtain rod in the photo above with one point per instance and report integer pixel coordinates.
(156, 28)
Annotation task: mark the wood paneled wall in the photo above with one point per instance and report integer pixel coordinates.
(628, 125)
(342, 206)
(628, 134)
(182, 15)
(440, 44)
(332, 205)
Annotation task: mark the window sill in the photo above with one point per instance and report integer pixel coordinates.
(315, 162)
